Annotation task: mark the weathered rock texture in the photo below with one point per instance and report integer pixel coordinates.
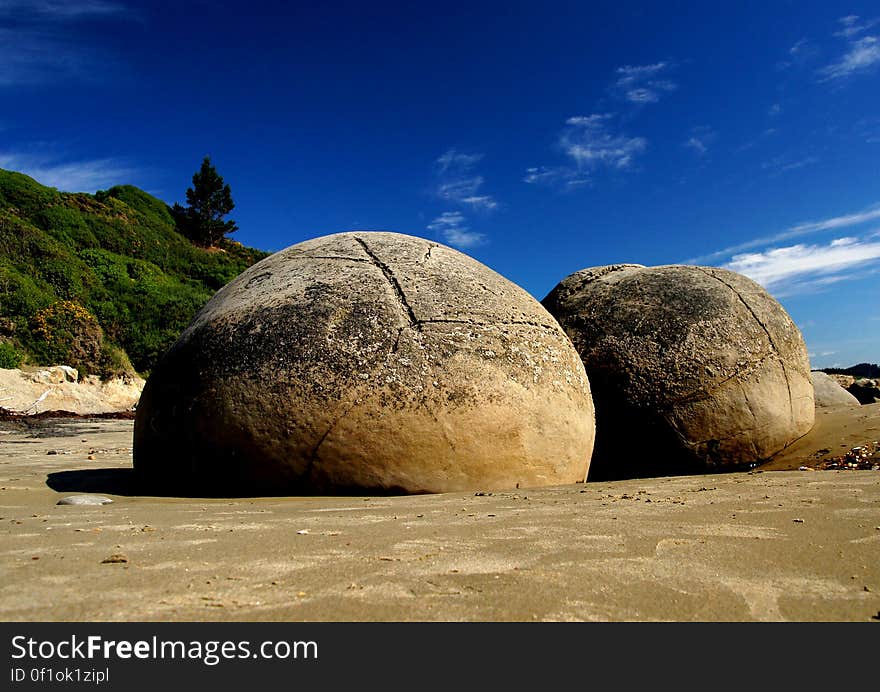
(828, 392)
(367, 361)
(699, 368)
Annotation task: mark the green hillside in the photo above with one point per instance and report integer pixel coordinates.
(101, 282)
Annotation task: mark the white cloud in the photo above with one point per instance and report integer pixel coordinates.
(480, 202)
(70, 176)
(862, 55)
(458, 183)
(851, 26)
(700, 139)
(447, 218)
(565, 176)
(821, 354)
(799, 48)
(798, 230)
(787, 267)
(642, 83)
(458, 189)
(451, 227)
(837, 222)
(862, 52)
(457, 161)
(696, 144)
(784, 164)
(757, 140)
(775, 109)
(800, 53)
(590, 143)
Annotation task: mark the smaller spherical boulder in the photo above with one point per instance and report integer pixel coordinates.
(692, 369)
(366, 362)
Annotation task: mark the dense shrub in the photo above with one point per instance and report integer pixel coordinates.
(66, 333)
(118, 256)
(10, 357)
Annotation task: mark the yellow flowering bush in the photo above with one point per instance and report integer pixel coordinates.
(66, 333)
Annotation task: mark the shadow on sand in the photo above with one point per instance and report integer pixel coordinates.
(126, 482)
(110, 481)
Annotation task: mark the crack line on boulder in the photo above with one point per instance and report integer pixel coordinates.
(766, 331)
(389, 275)
(548, 327)
(313, 455)
(702, 393)
(757, 425)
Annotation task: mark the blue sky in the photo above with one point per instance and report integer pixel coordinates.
(540, 137)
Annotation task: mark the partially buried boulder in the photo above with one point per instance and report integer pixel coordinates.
(366, 361)
(692, 369)
(829, 393)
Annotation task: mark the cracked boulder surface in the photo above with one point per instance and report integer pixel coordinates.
(700, 366)
(366, 362)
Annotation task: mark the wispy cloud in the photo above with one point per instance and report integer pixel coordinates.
(800, 53)
(869, 129)
(757, 140)
(862, 51)
(700, 139)
(853, 25)
(844, 221)
(565, 176)
(478, 202)
(458, 183)
(643, 83)
(796, 231)
(457, 161)
(797, 267)
(70, 176)
(451, 225)
(784, 164)
(39, 42)
(460, 188)
(591, 143)
(60, 10)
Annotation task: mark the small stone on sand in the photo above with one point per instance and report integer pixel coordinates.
(84, 500)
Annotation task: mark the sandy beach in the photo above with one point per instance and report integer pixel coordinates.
(773, 544)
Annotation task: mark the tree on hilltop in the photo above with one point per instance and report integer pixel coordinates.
(208, 201)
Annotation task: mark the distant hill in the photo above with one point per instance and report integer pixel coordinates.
(102, 282)
(870, 370)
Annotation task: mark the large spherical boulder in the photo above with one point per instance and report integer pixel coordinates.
(692, 369)
(372, 362)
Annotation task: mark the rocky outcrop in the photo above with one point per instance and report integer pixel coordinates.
(700, 365)
(828, 393)
(366, 361)
(866, 390)
(59, 388)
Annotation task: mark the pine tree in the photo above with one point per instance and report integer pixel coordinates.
(208, 201)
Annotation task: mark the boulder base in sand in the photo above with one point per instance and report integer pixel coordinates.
(691, 368)
(372, 362)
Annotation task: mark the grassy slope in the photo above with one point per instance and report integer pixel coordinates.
(115, 253)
